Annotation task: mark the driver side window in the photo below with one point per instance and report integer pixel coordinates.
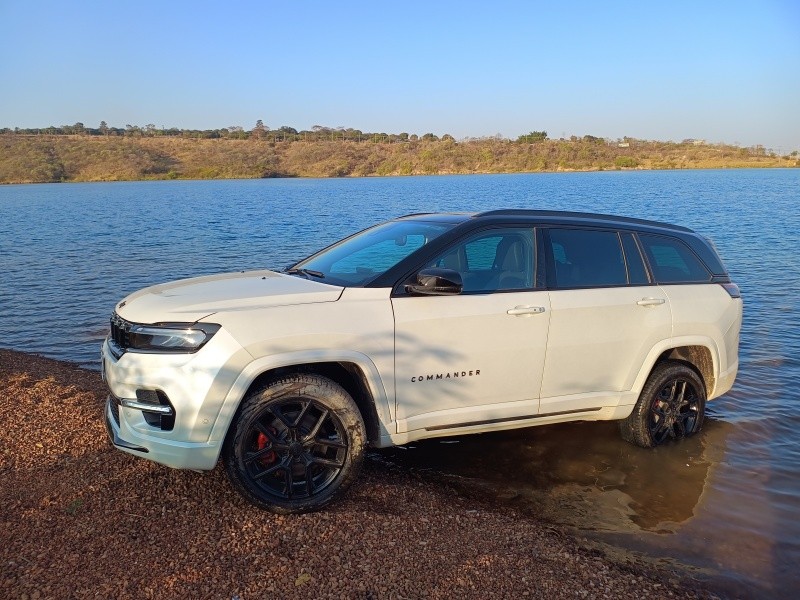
(493, 261)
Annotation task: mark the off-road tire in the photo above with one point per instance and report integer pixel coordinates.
(671, 406)
(290, 430)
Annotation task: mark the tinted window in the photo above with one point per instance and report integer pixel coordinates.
(637, 274)
(492, 261)
(672, 260)
(587, 258)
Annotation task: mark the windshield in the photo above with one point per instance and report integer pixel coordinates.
(359, 259)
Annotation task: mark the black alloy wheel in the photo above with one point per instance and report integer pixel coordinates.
(296, 444)
(670, 407)
(674, 411)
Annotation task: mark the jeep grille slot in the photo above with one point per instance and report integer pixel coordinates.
(120, 331)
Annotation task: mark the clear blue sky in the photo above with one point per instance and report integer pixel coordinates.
(722, 71)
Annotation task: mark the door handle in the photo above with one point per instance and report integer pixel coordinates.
(650, 301)
(525, 310)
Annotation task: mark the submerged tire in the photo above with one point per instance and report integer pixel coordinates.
(671, 406)
(296, 444)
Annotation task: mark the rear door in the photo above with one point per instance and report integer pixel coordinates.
(605, 317)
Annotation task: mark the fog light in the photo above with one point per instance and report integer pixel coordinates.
(155, 406)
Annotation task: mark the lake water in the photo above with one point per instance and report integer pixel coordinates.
(725, 503)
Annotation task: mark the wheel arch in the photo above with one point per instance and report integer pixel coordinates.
(355, 372)
(697, 357)
(699, 353)
(347, 374)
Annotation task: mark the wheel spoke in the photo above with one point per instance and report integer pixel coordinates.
(258, 454)
(672, 391)
(309, 479)
(660, 432)
(289, 481)
(679, 401)
(303, 411)
(680, 425)
(278, 412)
(272, 469)
(659, 411)
(313, 433)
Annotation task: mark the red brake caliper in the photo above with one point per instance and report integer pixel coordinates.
(261, 443)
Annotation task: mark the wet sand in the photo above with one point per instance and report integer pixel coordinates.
(83, 520)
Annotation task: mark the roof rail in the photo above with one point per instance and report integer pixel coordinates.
(519, 212)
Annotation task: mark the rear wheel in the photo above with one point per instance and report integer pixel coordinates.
(671, 406)
(297, 444)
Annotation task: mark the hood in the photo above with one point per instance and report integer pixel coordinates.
(189, 300)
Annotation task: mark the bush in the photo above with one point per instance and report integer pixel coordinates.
(626, 162)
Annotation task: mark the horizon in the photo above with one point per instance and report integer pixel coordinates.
(719, 73)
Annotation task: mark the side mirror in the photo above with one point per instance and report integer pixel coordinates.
(437, 282)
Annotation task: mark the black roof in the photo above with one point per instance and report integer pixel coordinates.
(551, 216)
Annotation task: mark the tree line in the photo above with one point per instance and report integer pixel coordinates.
(259, 132)
(284, 133)
(321, 133)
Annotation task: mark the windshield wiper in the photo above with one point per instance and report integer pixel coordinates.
(306, 272)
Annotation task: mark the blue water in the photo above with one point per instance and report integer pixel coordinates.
(70, 251)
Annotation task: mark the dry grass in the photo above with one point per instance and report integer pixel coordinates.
(28, 159)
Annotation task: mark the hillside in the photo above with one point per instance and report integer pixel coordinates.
(55, 158)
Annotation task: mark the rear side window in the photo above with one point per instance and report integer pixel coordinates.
(672, 261)
(587, 258)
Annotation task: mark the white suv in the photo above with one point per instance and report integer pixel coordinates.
(428, 325)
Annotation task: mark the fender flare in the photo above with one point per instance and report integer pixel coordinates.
(267, 363)
(670, 344)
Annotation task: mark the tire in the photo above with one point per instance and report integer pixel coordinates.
(671, 406)
(296, 444)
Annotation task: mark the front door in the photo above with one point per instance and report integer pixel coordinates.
(477, 357)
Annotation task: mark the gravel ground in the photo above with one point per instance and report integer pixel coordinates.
(82, 520)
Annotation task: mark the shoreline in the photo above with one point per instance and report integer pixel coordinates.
(442, 174)
(112, 517)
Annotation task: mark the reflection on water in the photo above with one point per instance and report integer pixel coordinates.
(687, 502)
(578, 474)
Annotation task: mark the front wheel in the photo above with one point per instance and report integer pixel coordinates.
(671, 407)
(296, 444)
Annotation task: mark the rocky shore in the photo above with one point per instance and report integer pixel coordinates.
(82, 520)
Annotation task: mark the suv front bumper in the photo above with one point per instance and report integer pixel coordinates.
(178, 455)
(193, 385)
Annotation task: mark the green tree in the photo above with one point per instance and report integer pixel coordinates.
(532, 137)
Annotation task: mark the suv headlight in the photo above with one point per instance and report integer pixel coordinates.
(170, 337)
(159, 337)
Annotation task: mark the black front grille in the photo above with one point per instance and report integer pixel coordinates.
(120, 332)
